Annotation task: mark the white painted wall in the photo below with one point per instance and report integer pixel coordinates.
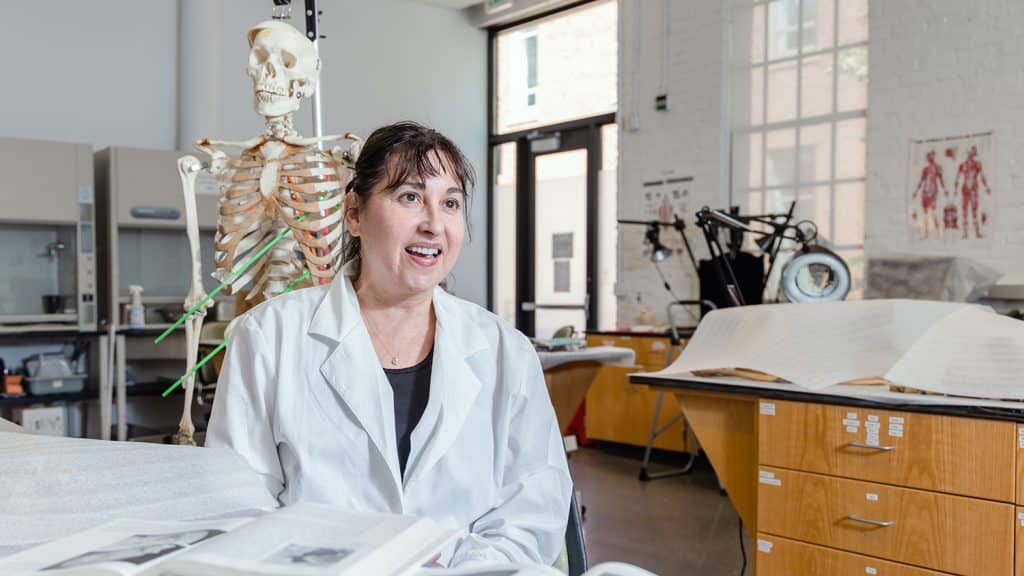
(383, 61)
(690, 139)
(102, 72)
(941, 68)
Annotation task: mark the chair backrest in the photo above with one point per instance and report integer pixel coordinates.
(574, 543)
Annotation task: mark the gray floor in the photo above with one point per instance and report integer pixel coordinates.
(671, 526)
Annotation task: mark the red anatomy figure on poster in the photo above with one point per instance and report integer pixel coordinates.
(928, 187)
(971, 170)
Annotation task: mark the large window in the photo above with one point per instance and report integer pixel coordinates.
(553, 166)
(559, 68)
(799, 102)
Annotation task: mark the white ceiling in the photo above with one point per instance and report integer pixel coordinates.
(454, 4)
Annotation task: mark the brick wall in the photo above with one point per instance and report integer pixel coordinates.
(941, 68)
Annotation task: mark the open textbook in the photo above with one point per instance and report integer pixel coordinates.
(937, 347)
(603, 569)
(307, 539)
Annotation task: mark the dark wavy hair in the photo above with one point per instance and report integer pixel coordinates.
(409, 148)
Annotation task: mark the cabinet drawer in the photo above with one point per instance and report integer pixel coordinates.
(1020, 465)
(927, 529)
(1019, 542)
(783, 557)
(967, 456)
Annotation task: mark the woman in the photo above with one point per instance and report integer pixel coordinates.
(380, 391)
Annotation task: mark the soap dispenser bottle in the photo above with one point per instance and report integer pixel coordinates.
(136, 311)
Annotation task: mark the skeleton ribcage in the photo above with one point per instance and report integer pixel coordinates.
(300, 191)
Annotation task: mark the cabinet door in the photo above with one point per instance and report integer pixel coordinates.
(968, 456)
(938, 531)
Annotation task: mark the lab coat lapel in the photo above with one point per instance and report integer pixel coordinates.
(454, 385)
(352, 371)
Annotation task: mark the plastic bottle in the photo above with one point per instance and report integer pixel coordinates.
(136, 311)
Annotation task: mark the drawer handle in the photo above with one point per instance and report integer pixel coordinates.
(870, 447)
(878, 523)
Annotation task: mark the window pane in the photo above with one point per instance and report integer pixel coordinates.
(783, 28)
(504, 224)
(816, 153)
(853, 21)
(781, 87)
(850, 149)
(814, 203)
(780, 157)
(748, 33)
(558, 68)
(607, 237)
(778, 200)
(746, 160)
(849, 200)
(816, 85)
(853, 79)
(819, 19)
(755, 202)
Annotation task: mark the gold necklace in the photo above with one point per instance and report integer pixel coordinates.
(373, 332)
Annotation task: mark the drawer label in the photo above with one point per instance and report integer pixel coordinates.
(764, 546)
(872, 418)
(1020, 518)
(1020, 437)
(871, 497)
(768, 408)
(895, 420)
(766, 477)
(852, 429)
(872, 439)
(870, 426)
(851, 415)
(870, 570)
(853, 423)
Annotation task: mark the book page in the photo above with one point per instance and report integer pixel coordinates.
(814, 344)
(123, 547)
(310, 538)
(500, 570)
(66, 485)
(968, 353)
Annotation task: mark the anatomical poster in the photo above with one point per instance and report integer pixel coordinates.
(950, 190)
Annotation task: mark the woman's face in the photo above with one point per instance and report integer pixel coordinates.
(410, 235)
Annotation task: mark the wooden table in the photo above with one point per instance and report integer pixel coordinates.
(836, 484)
(568, 376)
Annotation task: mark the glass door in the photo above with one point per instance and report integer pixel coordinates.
(556, 225)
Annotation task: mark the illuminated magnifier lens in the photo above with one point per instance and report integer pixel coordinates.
(817, 275)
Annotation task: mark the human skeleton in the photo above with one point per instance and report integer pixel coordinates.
(279, 182)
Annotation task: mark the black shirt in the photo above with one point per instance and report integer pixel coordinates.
(411, 387)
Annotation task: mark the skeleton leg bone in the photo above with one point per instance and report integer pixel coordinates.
(188, 169)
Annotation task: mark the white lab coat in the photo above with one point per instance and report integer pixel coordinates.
(303, 398)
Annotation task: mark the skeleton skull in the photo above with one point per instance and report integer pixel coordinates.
(283, 66)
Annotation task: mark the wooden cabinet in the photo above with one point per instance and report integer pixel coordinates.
(938, 531)
(965, 456)
(783, 557)
(1019, 443)
(856, 490)
(618, 411)
(1018, 529)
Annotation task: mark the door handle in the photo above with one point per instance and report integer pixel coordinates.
(870, 447)
(879, 523)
